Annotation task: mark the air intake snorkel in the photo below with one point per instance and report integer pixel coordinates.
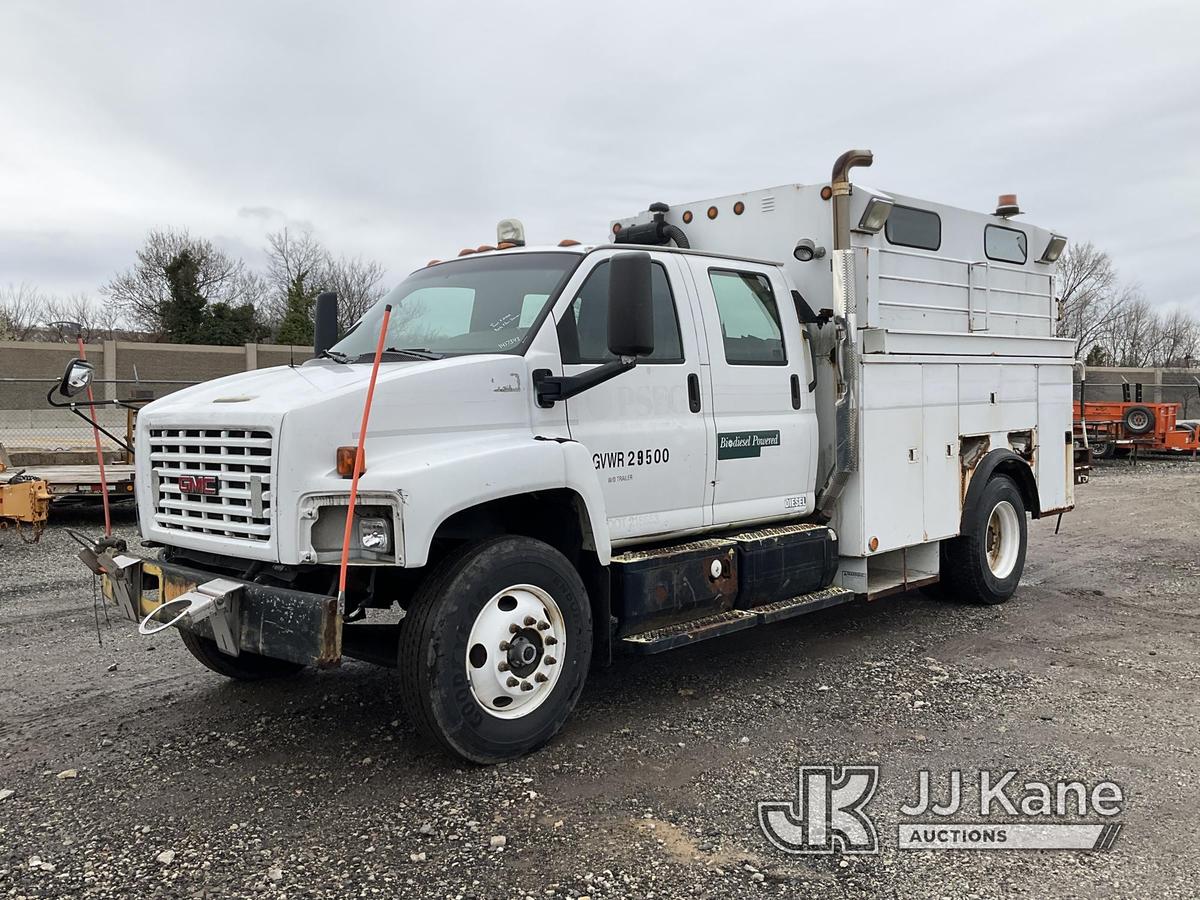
(656, 233)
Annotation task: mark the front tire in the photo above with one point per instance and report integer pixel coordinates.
(243, 667)
(984, 564)
(495, 648)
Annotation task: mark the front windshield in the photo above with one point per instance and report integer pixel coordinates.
(483, 304)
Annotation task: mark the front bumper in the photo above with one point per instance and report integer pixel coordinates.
(271, 621)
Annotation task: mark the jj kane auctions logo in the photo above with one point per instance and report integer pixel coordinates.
(829, 813)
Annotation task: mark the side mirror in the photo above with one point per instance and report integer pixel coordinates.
(630, 308)
(77, 376)
(325, 323)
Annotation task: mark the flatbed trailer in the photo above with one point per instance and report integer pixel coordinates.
(1112, 426)
(80, 485)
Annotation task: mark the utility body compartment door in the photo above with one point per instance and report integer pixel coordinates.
(647, 430)
(764, 417)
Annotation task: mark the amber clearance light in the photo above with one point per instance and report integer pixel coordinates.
(345, 461)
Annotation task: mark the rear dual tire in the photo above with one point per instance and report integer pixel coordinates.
(984, 564)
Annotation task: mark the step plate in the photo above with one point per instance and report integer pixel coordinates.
(671, 636)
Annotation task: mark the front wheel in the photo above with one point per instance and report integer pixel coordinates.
(244, 667)
(984, 564)
(494, 649)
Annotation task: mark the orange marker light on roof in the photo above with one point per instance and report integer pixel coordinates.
(567, 242)
(466, 251)
(432, 262)
(712, 212)
(484, 248)
(505, 245)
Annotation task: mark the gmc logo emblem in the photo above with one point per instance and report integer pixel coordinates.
(198, 484)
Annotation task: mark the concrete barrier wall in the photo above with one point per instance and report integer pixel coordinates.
(28, 422)
(1158, 386)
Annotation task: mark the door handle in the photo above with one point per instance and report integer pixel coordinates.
(693, 382)
(795, 392)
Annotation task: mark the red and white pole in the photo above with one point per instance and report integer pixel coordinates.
(358, 462)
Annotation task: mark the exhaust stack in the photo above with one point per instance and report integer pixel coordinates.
(846, 320)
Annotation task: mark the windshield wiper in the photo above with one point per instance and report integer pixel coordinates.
(335, 355)
(410, 352)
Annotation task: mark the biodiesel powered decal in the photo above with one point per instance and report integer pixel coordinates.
(744, 444)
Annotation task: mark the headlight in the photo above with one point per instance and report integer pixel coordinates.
(375, 534)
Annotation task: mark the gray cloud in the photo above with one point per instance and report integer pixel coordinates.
(405, 133)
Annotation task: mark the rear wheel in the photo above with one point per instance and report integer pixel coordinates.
(494, 649)
(984, 564)
(243, 667)
(1103, 449)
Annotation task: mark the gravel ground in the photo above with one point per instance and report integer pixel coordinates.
(134, 772)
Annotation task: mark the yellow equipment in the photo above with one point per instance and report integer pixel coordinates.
(24, 500)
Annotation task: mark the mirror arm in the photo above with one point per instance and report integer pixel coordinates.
(120, 442)
(552, 388)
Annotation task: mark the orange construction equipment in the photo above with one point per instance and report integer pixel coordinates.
(24, 501)
(1113, 425)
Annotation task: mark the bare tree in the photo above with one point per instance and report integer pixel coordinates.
(301, 266)
(140, 291)
(21, 312)
(97, 321)
(1090, 296)
(359, 286)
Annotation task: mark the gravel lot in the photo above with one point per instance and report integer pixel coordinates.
(135, 772)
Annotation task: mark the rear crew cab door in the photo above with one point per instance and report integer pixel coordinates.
(646, 429)
(764, 418)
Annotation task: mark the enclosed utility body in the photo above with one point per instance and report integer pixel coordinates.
(956, 357)
(729, 413)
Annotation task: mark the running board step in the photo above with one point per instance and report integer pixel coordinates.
(656, 640)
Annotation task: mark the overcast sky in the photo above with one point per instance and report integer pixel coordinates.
(405, 131)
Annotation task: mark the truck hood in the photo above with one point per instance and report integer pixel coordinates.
(272, 393)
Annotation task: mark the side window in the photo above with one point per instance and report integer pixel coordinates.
(583, 330)
(1005, 244)
(909, 227)
(749, 318)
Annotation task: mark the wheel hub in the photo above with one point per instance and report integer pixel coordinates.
(514, 651)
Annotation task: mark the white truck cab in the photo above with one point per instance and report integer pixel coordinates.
(734, 411)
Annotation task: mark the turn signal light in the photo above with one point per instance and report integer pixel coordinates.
(345, 461)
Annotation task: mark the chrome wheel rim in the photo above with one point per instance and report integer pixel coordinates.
(1003, 539)
(515, 651)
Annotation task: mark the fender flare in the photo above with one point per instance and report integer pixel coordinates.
(1000, 462)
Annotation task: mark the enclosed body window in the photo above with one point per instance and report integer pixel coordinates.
(749, 318)
(583, 330)
(1005, 244)
(909, 227)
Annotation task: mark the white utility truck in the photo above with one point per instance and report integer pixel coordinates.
(730, 412)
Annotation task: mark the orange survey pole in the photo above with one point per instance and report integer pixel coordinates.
(358, 462)
(96, 437)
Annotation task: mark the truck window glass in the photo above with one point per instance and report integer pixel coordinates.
(484, 304)
(909, 227)
(583, 331)
(749, 318)
(1005, 244)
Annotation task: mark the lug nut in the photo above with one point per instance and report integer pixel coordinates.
(526, 686)
(529, 620)
(550, 640)
(503, 666)
(550, 660)
(512, 682)
(541, 677)
(542, 626)
(503, 646)
(514, 628)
